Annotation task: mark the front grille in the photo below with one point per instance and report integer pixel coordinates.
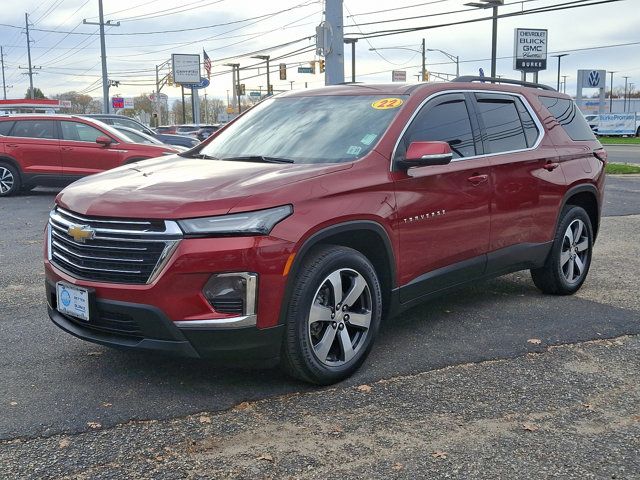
(111, 323)
(117, 251)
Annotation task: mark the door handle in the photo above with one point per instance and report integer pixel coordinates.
(478, 179)
(550, 166)
(12, 145)
(66, 149)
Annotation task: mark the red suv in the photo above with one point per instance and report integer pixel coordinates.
(293, 230)
(58, 149)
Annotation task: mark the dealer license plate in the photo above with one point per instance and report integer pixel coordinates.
(73, 300)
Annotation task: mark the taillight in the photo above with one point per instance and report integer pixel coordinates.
(601, 154)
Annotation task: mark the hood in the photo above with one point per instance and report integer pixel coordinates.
(174, 187)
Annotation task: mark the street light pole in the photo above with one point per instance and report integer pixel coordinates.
(494, 33)
(559, 57)
(611, 92)
(564, 83)
(265, 58)
(624, 109)
(353, 42)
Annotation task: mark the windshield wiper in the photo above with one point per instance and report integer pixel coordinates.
(259, 158)
(199, 155)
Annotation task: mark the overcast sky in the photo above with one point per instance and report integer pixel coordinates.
(72, 61)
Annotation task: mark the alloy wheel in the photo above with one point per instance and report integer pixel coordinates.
(575, 251)
(340, 317)
(6, 180)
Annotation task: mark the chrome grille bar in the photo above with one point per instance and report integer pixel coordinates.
(115, 251)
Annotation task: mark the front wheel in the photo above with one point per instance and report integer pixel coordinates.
(333, 315)
(9, 180)
(566, 268)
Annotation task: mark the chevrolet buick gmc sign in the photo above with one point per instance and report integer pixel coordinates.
(530, 50)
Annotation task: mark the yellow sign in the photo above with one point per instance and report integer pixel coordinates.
(387, 103)
(230, 109)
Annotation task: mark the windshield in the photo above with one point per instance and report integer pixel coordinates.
(318, 129)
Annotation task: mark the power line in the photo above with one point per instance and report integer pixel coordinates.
(396, 8)
(553, 8)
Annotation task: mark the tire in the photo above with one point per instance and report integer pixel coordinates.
(326, 341)
(567, 266)
(9, 180)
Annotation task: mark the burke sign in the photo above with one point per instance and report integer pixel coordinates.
(530, 50)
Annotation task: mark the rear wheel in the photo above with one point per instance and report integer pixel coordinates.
(9, 180)
(333, 316)
(567, 266)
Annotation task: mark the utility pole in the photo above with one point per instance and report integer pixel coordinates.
(26, 21)
(4, 84)
(626, 80)
(235, 90)
(424, 60)
(352, 42)
(103, 54)
(334, 42)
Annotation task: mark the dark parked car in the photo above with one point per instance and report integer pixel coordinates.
(206, 131)
(120, 120)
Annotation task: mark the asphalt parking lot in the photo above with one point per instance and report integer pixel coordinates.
(483, 364)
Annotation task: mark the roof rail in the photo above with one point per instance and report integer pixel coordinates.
(471, 78)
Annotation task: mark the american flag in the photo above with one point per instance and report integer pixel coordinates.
(207, 64)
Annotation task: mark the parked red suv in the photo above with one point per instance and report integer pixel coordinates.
(289, 234)
(58, 149)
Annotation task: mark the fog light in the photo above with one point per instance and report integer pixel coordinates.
(232, 292)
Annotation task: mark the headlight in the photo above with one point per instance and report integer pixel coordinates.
(259, 222)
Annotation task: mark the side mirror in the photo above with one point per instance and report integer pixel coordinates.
(104, 141)
(426, 153)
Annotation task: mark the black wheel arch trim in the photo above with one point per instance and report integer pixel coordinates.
(585, 187)
(330, 231)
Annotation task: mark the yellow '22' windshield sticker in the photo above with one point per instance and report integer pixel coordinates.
(386, 103)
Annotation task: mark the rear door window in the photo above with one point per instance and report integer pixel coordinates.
(445, 119)
(34, 129)
(569, 117)
(503, 129)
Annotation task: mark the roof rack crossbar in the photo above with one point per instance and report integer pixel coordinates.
(471, 78)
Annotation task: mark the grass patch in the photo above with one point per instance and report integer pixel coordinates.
(620, 140)
(622, 168)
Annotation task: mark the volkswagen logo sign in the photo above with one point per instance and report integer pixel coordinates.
(594, 78)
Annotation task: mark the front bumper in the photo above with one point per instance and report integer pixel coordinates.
(138, 326)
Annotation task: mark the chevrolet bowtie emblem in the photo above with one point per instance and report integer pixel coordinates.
(80, 233)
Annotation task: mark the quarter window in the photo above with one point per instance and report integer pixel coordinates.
(530, 129)
(569, 117)
(503, 130)
(34, 129)
(445, 120)
(80, 132)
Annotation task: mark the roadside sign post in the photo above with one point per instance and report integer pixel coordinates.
(399, 76)
(530, 51)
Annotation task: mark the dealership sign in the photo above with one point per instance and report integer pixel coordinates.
(617, 124)
(119, 103)
(530, 50)
(399, 76)
(592, 78)
(186, 68)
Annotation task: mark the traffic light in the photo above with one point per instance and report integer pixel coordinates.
(321, 66)
(270, 90)
(170, 80)
(241, 89)
(313, 67)
(425, 76)
(283, 71)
